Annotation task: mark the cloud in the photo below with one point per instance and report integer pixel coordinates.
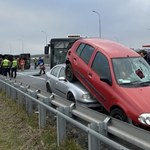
(124, 21)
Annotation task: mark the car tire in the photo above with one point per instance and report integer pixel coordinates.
(119, 114)
(48, 88)
(71, 97)
(69, 73)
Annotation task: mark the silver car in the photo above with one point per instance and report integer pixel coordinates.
(57, 84)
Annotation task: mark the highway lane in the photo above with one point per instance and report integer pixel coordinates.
(31, 77)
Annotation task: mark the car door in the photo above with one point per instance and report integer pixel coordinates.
(81, 62)
(61, 84)
(54, 78)
(99, 79)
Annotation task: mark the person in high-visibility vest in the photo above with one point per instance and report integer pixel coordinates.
(5, 66)
(14, 67)
(35, 62)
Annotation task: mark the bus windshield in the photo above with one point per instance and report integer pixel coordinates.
(59, 48)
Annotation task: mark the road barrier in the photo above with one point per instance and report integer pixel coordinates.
(99, 127)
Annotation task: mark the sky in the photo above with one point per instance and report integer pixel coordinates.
(26, 26)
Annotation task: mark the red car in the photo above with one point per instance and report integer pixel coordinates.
(117, 76)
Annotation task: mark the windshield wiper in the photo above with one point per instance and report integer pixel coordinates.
(129, 83)
(147, 83)
(135, 83)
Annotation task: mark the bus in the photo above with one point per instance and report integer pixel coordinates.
(59, 48)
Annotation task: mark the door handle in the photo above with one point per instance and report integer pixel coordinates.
(90, 75)
(74, 59)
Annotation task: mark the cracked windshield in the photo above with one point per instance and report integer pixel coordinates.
(131, 71)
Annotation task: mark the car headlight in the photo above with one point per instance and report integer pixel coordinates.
(145, 118)
(86, 96)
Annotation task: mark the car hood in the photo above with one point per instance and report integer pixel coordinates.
(138, 98)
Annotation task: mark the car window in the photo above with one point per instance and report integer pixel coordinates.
(62, 72)
(86, 53)
(100, 65)
(79, 49)
(54, 71)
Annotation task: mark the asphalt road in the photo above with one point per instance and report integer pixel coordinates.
(32, 78)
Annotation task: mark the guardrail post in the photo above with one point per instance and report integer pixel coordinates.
(29, 102)
(93, 142)
(103, 126)
(7, 88)
(2, 85)
(61, 127)
(20, 95)
(42, 113)
(14, 92)
(16, 85)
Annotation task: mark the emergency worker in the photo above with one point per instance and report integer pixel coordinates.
(14, 67)
(22, 63)
(5, 66)
(35, 62)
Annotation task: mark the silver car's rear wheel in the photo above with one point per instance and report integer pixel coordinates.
(70, 97)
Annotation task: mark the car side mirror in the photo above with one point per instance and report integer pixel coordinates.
(62, 79)
(106, 79)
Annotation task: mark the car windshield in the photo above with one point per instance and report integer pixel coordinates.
(131, 71)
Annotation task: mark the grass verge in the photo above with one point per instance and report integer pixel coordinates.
(20, 132)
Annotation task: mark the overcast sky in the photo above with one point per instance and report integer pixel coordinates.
(22, 22)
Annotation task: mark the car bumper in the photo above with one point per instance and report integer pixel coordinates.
(90, 104)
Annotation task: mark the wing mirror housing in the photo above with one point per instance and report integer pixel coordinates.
(106, 79)
(62, 79)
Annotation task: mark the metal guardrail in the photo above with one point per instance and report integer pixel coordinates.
(100, 127)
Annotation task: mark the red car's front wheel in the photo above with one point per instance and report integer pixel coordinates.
(69, 73)
(119, 114)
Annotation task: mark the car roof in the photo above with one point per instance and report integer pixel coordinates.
(61, 65)
(113, 49)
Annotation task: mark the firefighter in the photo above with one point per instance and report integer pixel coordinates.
(14, 67)
(5, 66)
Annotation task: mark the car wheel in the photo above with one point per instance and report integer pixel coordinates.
(48, 88)
(118, 114)
(70, 97)
(69, 73)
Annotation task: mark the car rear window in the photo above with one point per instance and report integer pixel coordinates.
(85, 51)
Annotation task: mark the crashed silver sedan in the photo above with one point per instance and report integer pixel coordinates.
(57, 84)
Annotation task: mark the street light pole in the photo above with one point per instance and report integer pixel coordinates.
(99, 21)
(45, 35)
